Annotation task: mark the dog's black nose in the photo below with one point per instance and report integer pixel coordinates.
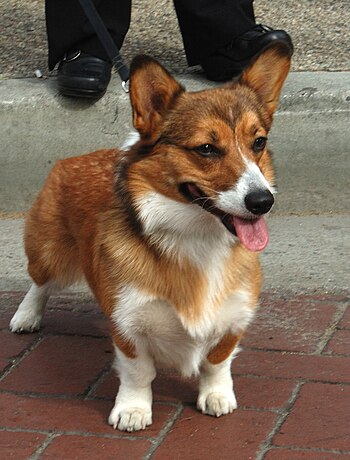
(259, 202)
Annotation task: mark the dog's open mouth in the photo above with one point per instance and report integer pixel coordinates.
(252, 233)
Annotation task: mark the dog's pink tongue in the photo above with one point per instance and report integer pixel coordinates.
(252, 234)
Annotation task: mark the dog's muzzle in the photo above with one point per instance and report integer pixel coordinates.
(252, 232)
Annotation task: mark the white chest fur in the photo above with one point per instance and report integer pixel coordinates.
(183, 232)
(153, 323)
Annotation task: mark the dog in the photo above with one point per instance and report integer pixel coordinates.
(166, 232)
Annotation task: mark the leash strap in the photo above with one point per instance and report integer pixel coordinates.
(106, 40)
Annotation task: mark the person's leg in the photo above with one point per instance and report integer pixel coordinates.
(222, 35)
(68, 28)
(85, 67)
(206, 25)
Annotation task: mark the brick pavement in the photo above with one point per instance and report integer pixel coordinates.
(291, 379)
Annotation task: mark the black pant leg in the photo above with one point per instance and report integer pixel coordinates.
(206, 25)
(69, 29)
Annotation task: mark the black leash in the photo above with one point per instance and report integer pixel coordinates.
(107, 41)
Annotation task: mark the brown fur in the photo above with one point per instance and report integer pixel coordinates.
(223, 349)
(83, 224)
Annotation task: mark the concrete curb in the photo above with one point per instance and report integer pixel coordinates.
(310, 137)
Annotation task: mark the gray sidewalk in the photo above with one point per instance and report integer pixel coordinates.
(310, 137)
(306, 254)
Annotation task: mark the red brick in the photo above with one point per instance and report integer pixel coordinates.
(78, 302)
(86, 319)
(323, 297)
(19, 445)
(11, 345)
(169, 386)
(340, 343)
(272, 364)
(286, 454)
(107, 388)
(60, 365)
(9, 302)
(262, 393)
(9, 299)
(345, 321)
(289, 325)
(318, 419)
(5, 318)
(76, 415)
(72, 322)
(85, 447)
(197, 436)
(250, 391)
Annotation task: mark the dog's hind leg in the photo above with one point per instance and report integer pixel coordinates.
(51, 249)
(49, 277)
(30, 312)
(53, 263)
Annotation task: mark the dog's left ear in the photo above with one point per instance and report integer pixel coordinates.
(152, 93)
(267, 74)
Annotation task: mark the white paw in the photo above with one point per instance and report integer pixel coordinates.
(217, 403)
(24, 321)
(130, 418)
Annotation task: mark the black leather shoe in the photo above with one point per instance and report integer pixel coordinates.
(230, 60)
(82, 75)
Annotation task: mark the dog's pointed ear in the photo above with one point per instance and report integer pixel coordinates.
(152, 93)
(267, 74)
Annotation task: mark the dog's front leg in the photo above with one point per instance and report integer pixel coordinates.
(216, 396)
(133, 405)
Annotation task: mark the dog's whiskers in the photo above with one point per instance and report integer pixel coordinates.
(202, 201)
(212, 190)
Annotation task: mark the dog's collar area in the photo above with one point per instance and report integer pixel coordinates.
(196, 196)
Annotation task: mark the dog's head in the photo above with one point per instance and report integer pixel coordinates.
(207, 148)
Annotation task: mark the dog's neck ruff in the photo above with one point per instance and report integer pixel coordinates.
(182, 230)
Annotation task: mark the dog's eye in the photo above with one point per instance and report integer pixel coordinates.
(207, 150)
(259, 144)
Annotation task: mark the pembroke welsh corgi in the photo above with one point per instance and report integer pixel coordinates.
(167, 233)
